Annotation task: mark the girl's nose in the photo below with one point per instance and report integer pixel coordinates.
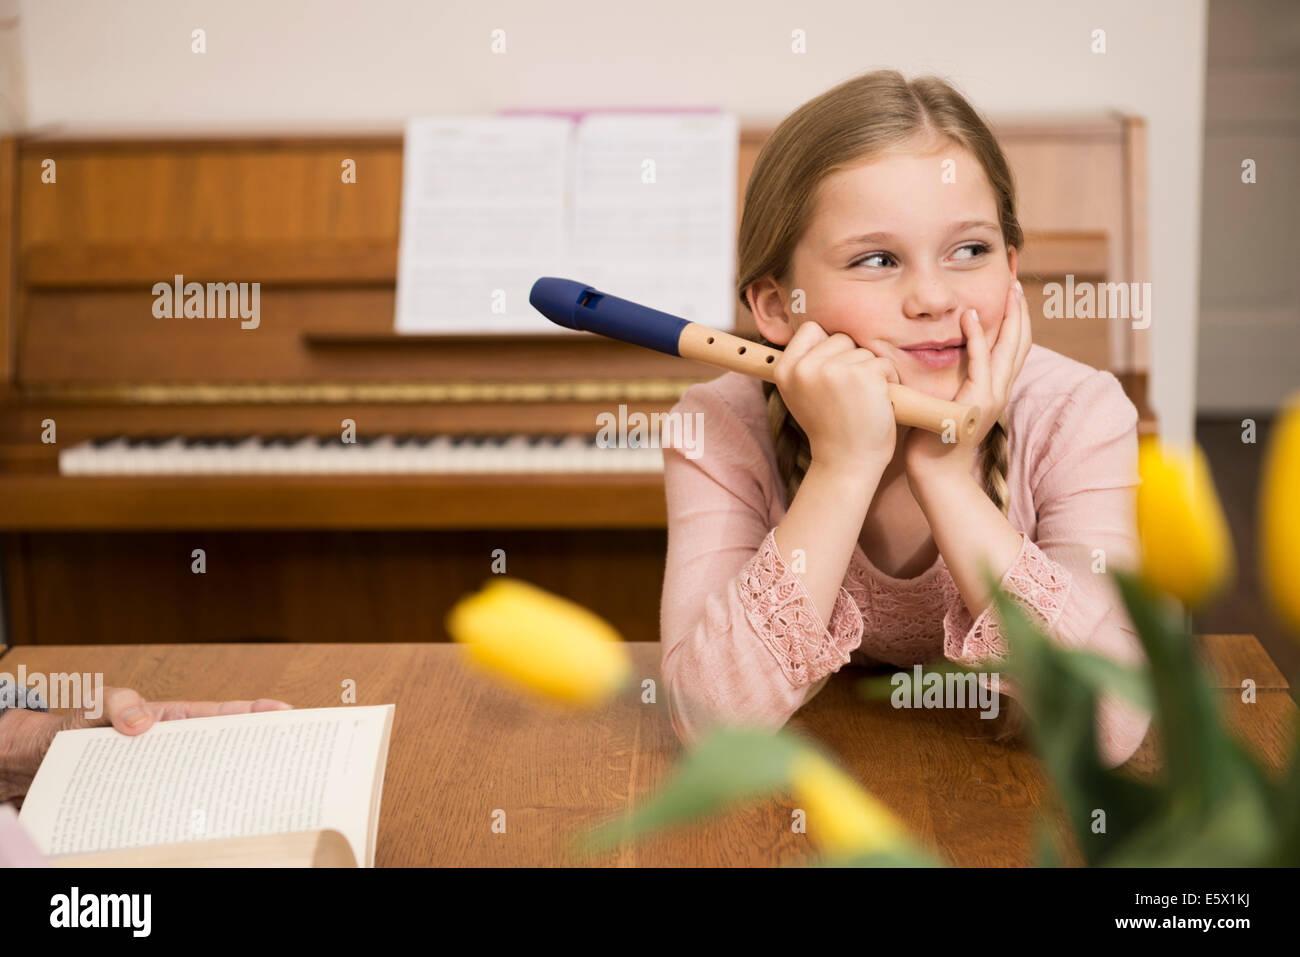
(930, 297)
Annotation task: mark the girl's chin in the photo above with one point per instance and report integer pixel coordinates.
(942, 385)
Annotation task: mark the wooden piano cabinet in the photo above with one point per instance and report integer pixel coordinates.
(309, 586)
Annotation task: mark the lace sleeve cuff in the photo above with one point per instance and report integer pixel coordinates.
(1037, 584)
(782, 613)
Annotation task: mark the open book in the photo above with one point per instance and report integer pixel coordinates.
(274, 788)
(642, 206)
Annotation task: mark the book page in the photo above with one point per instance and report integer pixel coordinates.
(196, 779)
(484, 207)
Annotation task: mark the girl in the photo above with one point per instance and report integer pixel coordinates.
(878, 244)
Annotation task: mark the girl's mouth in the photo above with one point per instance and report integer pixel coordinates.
(938, 357)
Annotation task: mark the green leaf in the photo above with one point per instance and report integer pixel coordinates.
(729, 766)
(1287, 811)
(1060, 713)
(1105, 674)
(1202, 760)
(1216, 806)
(1236, 832)
(1045, 853)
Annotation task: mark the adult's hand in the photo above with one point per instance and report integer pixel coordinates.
(25, 735)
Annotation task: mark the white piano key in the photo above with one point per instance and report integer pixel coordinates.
(70, 459)
(435, 454)
(325, 458)
(514, 454)
(497, 455)
(472, 454)
(573, 453)
(169, 457)
(114, 456)
(377, 455)
(297, 456)
(244, 456)
(403, 455)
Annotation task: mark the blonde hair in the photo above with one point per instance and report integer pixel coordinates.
(859, 119)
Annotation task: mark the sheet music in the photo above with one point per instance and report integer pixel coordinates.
(654, 211)
(641, 206)
(483, 209)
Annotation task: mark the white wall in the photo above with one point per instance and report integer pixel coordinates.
(1250, 243)
(13, 98)
(280, 65)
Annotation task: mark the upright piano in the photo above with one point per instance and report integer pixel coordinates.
(185, 479)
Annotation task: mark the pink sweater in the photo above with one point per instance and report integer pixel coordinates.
(742, 640)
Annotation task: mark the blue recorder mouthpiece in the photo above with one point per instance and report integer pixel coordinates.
(576, 305)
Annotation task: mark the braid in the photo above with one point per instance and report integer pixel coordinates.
(793, 451)
(993, 472)
(993, 465)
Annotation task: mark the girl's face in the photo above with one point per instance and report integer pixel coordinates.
(898, 248)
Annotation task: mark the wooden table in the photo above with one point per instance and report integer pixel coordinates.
(463, 748)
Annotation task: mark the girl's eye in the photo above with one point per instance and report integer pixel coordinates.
(977, 249)
(872, 256)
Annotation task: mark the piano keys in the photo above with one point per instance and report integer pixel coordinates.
(382, 455)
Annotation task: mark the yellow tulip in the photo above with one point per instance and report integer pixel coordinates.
(1186, 549)
(842, 818)
(534, 640)
(1279, 516)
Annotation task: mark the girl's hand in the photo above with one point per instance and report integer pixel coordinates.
(839, 395)
(989, 378)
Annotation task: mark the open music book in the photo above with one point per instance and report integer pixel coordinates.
(640, 205)
(274, 788)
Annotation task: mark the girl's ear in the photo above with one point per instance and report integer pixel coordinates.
(1013, 261)
(767, 303)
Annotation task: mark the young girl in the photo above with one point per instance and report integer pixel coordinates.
(878, 244)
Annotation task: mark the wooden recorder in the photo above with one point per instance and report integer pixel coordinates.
(576, 305)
